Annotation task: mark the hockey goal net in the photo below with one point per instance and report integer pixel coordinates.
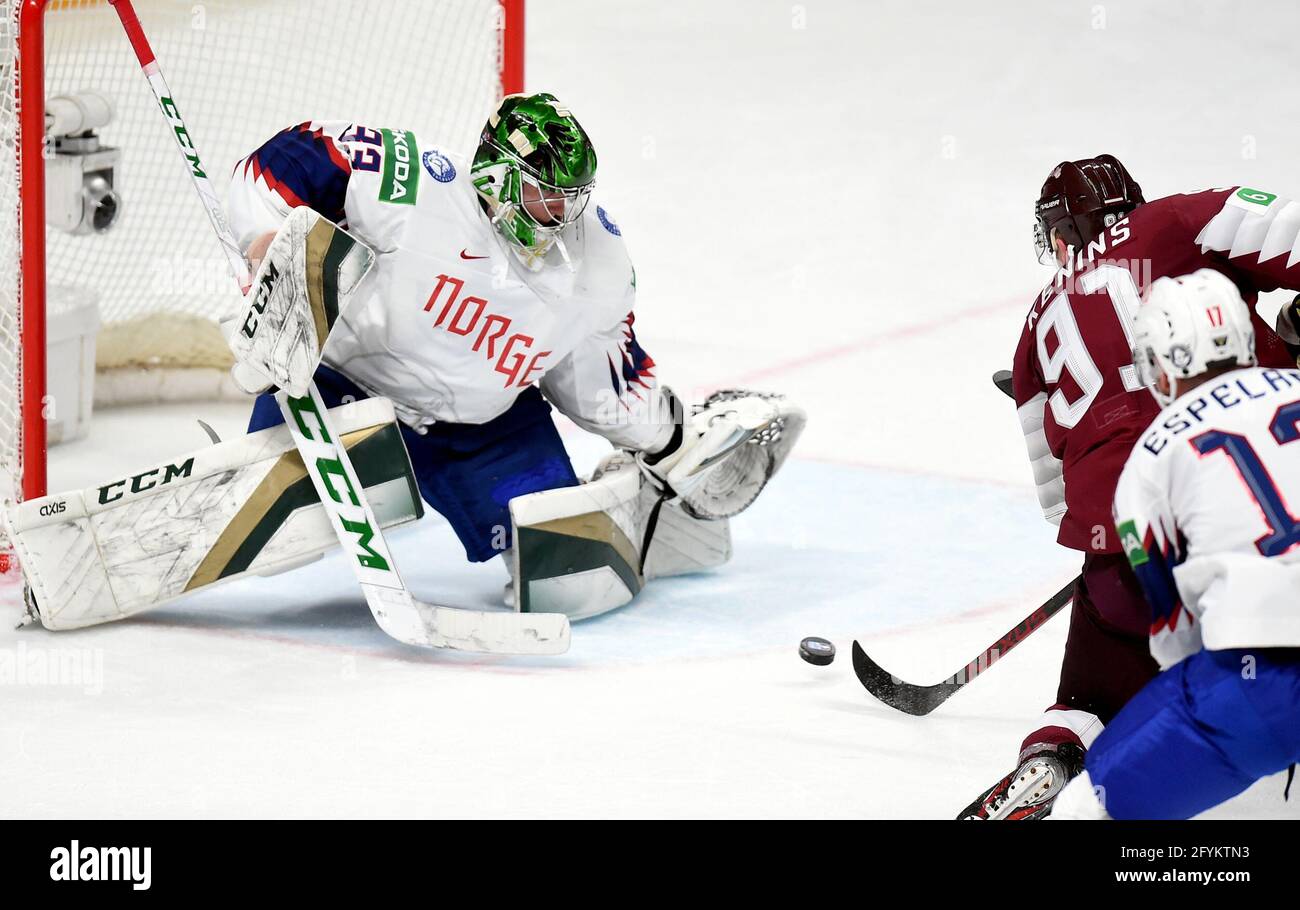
(241, 70)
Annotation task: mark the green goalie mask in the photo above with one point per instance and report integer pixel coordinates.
(534, 171)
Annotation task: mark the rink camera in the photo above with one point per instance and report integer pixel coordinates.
(79, 193)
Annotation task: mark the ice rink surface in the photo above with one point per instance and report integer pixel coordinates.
(828, 199)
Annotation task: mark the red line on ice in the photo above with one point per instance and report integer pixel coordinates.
(816, 358)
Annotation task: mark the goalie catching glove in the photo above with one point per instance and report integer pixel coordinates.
(306, 279)
(719, 460)
(588, 549)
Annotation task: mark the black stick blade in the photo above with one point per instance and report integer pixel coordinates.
(1002, 379)
(903, 696)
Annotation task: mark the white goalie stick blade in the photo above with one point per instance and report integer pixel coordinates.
(427, 625)
(398, 613)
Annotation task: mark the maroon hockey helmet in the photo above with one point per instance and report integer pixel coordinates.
(1080, 199)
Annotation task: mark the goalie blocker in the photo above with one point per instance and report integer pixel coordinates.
(307, 277)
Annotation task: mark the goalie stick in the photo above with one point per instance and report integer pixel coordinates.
(921, 700)
(396, 611)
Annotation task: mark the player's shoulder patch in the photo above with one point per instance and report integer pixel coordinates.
(400, 180)
(1255, 222)
(607, 222)
(1250, 199)
(439, 166)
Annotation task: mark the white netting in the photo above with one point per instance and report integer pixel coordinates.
(240, 70)
(10, 402)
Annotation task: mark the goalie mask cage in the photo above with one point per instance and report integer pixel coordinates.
(241, 70)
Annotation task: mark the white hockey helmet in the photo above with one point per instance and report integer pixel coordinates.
(1186, 325)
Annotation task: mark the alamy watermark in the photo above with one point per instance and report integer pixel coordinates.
(81, 668)
(76, 863)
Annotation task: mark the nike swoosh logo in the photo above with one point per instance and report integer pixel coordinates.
(465, 255)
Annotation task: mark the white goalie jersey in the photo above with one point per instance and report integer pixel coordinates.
(450, 325)
(1206, 510)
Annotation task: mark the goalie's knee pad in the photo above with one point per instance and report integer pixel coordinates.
(588, 549)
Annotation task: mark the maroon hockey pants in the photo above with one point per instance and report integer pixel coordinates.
(1107, 656)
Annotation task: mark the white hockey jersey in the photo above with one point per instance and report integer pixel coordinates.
(1205, 510)
(450, 325)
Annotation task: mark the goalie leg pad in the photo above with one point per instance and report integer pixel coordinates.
(247, 505)
(468, 473)
(582, 550)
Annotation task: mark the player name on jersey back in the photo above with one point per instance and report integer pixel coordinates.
(1204, 510)
(1212, 400)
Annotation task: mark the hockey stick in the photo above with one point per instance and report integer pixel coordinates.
(1002, 379)
(921, 700)
(396, 611)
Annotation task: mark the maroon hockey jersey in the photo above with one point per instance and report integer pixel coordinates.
(1076, 390)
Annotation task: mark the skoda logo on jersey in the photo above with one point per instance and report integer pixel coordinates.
(1132, 544)
(608, 222)
(439, 167)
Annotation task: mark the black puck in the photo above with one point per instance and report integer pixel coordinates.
(817, 651)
